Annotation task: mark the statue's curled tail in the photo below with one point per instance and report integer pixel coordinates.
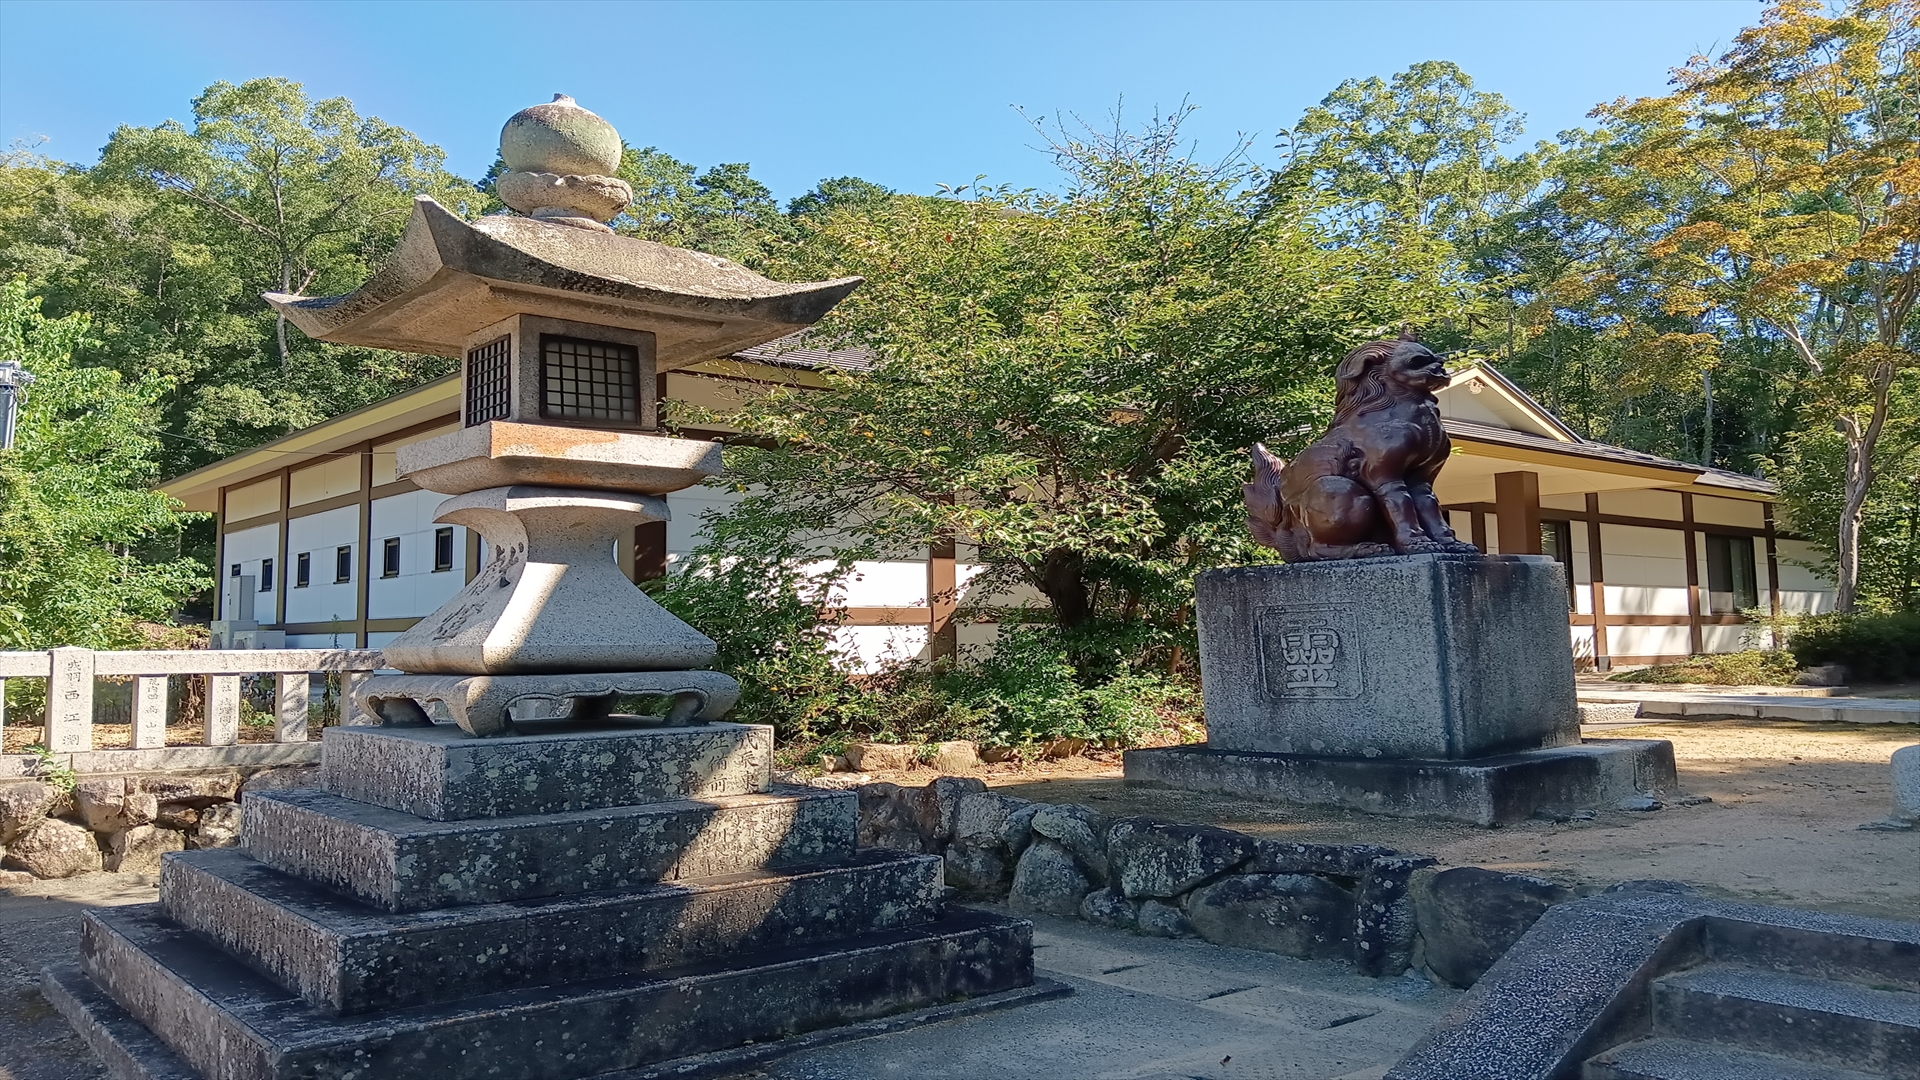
(1267, 516)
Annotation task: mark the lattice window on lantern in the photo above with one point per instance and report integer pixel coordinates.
(589, 380)
(489, 378)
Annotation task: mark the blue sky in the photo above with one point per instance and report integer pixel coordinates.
(909, 95)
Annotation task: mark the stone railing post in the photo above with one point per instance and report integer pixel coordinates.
(149, 712)
(223, 710)
(290, 708)
(70, 701)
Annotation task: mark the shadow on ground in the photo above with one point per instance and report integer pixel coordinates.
(40, 925)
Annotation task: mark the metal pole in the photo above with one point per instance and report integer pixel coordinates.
(13, 379)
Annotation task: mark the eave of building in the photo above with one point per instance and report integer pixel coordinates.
(1569, 468)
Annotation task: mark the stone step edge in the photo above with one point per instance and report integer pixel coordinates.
(368, 852)
(131, 1052)
(1668, 1059)
(225, 1004)
(1880, 957)
(441, 774)
(307, 941)
(1674, 992)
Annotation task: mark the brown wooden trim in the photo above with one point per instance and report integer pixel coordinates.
(1517, 503)
(366, 535)
(1662, 620)
(1773, 567)
(278, 517)
(1649, 658)
(879, 616)
(390, 626)
(943, 598)
(388, 491)
(1597, 572)
(280, 561)
(321, 506)
(1555, 513)
(1694, 639)
(650, 551)
(1479, 518)
(326, 626)
(717, 377)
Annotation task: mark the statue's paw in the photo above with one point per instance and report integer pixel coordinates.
(1371, 551)
(1425, 547)
(1458, 547)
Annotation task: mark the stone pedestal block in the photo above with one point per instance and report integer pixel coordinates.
(438, 772)
(1424, 656)
(1496, 790)
(480, 704)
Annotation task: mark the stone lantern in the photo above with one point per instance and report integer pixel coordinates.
(562, 334)
(589, 899)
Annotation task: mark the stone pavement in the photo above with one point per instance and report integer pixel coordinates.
(1142, 1009)
(1704, 704)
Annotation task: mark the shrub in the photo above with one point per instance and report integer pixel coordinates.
(1752, 667)
(1874, 648)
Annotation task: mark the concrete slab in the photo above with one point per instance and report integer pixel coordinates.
(1151, 1008)
(1707, 705)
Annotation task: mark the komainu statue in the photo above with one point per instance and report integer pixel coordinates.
(1366, 488)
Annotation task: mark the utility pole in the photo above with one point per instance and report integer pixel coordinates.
(13, 380)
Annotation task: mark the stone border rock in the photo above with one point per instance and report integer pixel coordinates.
(1382, 910)
(125, 823)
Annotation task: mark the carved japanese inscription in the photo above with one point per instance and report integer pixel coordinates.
(1310, 652)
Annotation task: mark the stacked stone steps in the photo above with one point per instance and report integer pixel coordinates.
(1780, 1001)
(549, 907)
(232, 1023)
(344, 958)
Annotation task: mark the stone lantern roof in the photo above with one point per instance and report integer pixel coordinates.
(448, 279)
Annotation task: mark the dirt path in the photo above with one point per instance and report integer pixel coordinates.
(1783, 826)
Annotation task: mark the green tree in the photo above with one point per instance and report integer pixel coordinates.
(86, 549)
(1071, 382)
(170, 240)
(722, 211)
(1763, 216)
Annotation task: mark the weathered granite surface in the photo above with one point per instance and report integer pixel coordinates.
(1488, 791)
(437, 772)
(345, 958)
(399, 862)
(500, 453)
(233, 1023)
(1422, 656)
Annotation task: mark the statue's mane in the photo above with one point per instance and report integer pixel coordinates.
(1360, 384)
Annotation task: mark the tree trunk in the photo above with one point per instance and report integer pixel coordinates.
(1065, 587)
(1859, 480)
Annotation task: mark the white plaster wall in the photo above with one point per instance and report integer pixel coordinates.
(1708, 510)
(321, 534)
(871, 648)
(320, 641)
(689, 509)
(1646, 570)
(253, 500)
(1718, 639)
(248, 548)
(379, 641)
(1664, 505)
(331, 477)
(1802, 592)
(383, 453)
(1582, 645)
(879, 584)
(419, 589)
(1648, 641)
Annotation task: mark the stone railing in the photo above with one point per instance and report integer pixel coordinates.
(71, 675)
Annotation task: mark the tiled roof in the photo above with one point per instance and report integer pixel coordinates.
(1468, 429)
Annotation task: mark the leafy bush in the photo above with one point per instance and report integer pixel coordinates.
(1752, 667)
(1874, 648)
(1027, 693)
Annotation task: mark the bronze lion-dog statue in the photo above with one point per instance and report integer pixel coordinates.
(1366, 488)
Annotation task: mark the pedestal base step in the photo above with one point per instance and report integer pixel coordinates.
(399, 862)
(1595, 774)
(343, 957)
(228, 1021)
(441, 773)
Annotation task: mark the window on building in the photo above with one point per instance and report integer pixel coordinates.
(1731, 586)
(1556, 539)
(588, 380)
(390, 557)
(302, 569)
(235, 572)
(266, 575)
(443, 548)
(343, 564)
